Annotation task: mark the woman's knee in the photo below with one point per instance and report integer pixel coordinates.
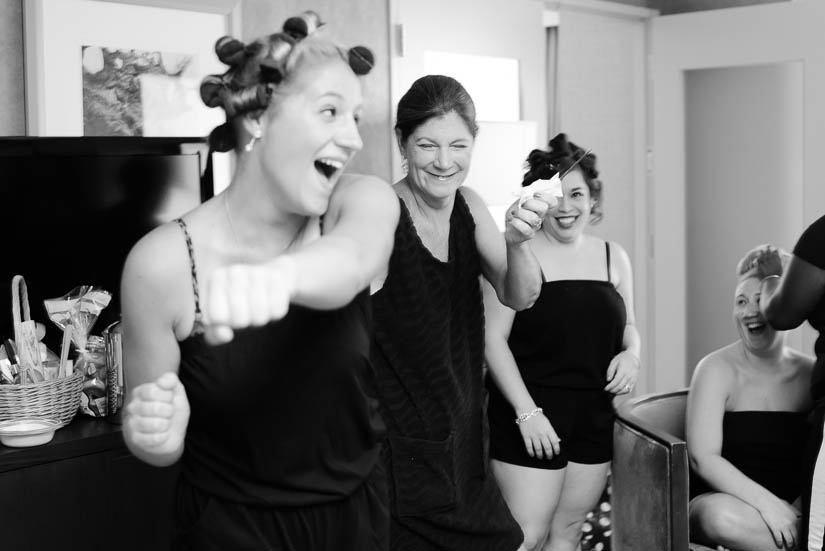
(534, 537)
(719, 522)
(567, 529)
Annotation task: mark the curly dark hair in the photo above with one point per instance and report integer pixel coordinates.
(561, 155)
(258, 70)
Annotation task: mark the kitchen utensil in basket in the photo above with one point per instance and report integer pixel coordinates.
(55, 399)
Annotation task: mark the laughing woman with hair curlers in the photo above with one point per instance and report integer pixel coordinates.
(246, 322)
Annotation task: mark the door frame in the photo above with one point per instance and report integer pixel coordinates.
(754, 35)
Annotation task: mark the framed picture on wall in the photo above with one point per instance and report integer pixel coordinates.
(122, 67)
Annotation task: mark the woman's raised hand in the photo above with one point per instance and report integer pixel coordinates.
(523, 219)
(770, 259)
(245, 295)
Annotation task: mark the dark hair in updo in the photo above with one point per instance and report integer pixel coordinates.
(259, 70)
(434, 96)
(562, 154)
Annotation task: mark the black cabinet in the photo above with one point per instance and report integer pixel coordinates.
(84, 491)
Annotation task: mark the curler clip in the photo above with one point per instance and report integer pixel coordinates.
(303, 25)
(361, 60)
(230, 51)
(212, 90)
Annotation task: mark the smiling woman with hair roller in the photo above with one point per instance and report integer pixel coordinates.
(246, 322)
(555, 368)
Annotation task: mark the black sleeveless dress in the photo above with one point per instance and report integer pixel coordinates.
(428, 353)
(563, 346)
(283, 418)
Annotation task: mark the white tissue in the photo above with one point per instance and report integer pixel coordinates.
(551, 186)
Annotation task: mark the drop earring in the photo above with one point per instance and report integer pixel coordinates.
(256, 135)
(404, 166)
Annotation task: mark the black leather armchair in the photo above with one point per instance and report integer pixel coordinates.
(650, 475)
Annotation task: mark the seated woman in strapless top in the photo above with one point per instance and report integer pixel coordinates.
(746, 428)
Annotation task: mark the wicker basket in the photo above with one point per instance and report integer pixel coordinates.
(56, 399)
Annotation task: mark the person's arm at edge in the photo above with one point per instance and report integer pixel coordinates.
(789, 303)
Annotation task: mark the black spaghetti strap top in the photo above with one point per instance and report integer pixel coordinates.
(284, 414)
(572, 332)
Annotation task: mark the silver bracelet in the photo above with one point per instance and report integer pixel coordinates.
(522, 417)
(762, 282)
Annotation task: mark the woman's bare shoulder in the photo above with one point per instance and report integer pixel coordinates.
(159, 267)
(352, 179)
(364, 189)
(719, 366)
(474, 201)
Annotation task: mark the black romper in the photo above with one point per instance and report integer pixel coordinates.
(282, 450)
(428, 353)
(563, 346)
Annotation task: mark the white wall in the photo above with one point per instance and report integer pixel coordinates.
(736, 37)
(743, 180)
(602, 53)
(497, 28)
(601, 79)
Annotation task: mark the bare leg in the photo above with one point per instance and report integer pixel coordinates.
(583, 486)
(532, 495)
(722, 519)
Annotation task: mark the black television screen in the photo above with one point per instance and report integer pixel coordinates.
(73, 207)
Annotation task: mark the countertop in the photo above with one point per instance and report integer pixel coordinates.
(84, 435)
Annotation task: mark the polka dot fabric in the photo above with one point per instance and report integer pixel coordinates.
(597, 524)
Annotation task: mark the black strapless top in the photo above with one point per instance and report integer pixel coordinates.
(569, 336)
(767, 446)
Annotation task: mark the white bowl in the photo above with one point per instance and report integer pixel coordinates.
(22, 433)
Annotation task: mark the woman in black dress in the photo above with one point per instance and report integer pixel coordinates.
(429, 329)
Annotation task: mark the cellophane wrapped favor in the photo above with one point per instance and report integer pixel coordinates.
(77, 311)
